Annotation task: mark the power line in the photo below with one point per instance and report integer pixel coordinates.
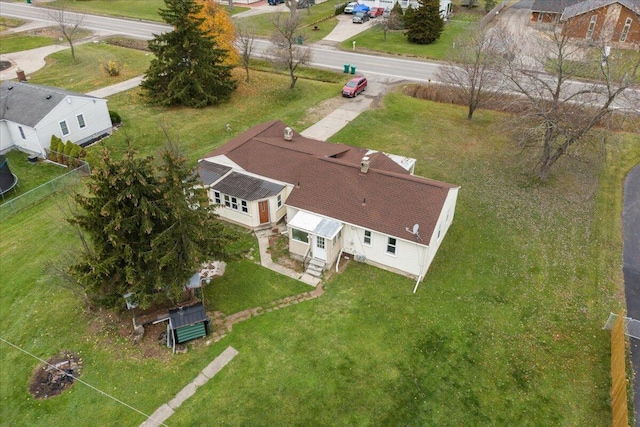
(83, 382)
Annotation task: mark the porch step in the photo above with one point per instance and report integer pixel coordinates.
(315, 267)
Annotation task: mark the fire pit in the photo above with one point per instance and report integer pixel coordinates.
(57, 375)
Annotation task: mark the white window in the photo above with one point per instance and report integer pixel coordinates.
(625, 30)
(279, 199)
(81, 122)
(233, 202)
(21, 132)
(367, 237)
(592, 26)
(64, 128)
(217, 197)
(320, 242)
(391, 246)
(540, 16)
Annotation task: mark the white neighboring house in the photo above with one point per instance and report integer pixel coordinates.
(335, 198)
(30, 114)
(445, 5)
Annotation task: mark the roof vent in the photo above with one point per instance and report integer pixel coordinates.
(364, 164)
(48, 96)
(288, 134)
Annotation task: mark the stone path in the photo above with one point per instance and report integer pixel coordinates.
(223, 324)
(165, 411)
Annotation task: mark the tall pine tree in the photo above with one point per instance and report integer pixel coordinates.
(425, 25)
(189, 68)
(146, 230)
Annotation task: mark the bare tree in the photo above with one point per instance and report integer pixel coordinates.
(286, 51)
(471, 67)
(68, 23)
(558, 111)
(389, 21)
(245, 37)
(292, 5)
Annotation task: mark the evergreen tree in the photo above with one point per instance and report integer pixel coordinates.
(425, 25)
(145, 230)
(189, 68)
(397, 17)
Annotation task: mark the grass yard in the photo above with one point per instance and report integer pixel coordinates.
(31, 175)
(372, 40)
(266, 97)
(322, 16)
(506, 329)
(17, 42)
(8, 23)
(139, 9)
(87, 73)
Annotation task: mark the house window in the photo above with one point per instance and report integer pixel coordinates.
(592, 26)
(540, 16)
(320, 242)
(81, 122)
(391, 246)
(299, 235)
(625, 30)
(217, 197)
(367, 237)
(21, 132)
(64, 128)
(279, 199)
(234, 203)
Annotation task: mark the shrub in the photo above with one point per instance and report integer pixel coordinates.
(115, 117)
(339, 9)
(112, 68)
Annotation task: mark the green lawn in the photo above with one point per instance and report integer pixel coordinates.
(372, 40)
(505, 330)
(16, 42)
(139, 9)
(322, 16)
(87, 73)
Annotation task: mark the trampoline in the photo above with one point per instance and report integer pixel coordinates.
(8, 180)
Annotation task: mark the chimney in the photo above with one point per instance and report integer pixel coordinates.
(364, 164)
(288, 134)
(21, 76)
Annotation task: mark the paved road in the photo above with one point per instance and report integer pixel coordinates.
(631, 269)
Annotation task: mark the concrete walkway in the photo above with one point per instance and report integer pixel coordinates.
(165, 411)
(267, 262)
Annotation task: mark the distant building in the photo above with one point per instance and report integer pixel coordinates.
(615, 22)
(30, 114)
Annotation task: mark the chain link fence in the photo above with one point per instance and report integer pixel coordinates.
(43, 191)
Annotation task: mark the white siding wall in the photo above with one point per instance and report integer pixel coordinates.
(94, 111)
(444, 222)
(13, 137)
(6, 141)
(407, 259)
(445, 5)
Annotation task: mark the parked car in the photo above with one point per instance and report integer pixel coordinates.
(360, 17)
(374, 12)
(349, 7)
(305, 3)
(355, 86)
(275, 2)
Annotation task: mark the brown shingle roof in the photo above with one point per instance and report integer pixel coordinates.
(328, 181)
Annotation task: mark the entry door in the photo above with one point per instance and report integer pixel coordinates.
(263, 207)
(319, 250)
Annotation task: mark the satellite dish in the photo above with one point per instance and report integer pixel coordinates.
(414, 231)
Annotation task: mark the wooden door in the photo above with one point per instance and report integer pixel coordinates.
(263, 207)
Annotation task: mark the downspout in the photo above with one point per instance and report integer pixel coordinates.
(339, 256)
(421, 276)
